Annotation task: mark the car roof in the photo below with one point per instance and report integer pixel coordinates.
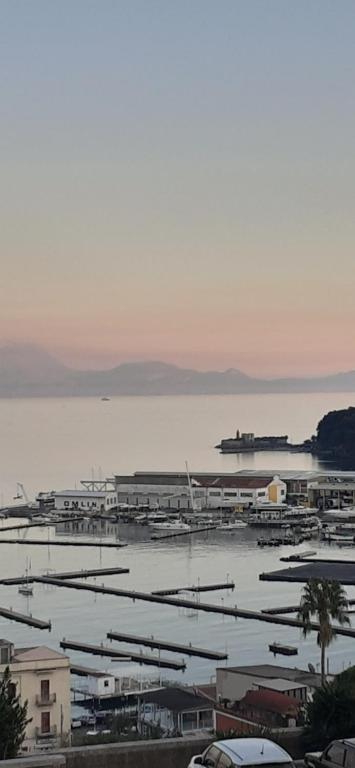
(253, 751)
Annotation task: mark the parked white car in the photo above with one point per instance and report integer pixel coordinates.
(237, 753)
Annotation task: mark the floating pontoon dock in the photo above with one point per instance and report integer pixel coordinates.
(24, 618)
(284, 650)
(64, 543)
(101, 650)
(85, 574)
(342, 571)
(195, 588)
(183, 603)
(40, 524)
(164, 645)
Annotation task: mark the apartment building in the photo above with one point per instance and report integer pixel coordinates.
(42, 678)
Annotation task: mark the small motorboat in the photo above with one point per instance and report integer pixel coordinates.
(26, 589)
(232, 526)
(171, 526)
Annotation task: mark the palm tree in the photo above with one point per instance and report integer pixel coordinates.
(324, 600)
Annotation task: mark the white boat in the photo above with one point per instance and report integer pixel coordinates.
(232, 526)
(341, 538)
(156, 517)
(27, 587)
(171, 525)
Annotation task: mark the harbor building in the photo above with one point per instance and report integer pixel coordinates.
(85, 501)
(332, 491)
(174, 710)
(178, 491)
(42, 678)
(233, 683)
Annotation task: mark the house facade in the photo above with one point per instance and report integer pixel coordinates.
(42, 678)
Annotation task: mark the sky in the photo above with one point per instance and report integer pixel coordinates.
(178, 182)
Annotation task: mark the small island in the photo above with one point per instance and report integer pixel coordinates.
(334, 440)
(247, 442)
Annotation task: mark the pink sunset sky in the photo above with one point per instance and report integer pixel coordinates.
(178, 183)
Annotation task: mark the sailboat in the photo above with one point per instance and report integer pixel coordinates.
(27, 587)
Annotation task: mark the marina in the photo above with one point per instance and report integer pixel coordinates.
(161, 566)
(163, 645)
(191, 604)
(140, 658)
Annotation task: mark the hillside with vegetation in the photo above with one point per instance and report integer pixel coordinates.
(336, 435)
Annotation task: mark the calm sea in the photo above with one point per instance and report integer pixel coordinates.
(54, 443)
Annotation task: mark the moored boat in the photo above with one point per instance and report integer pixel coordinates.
(232, 526)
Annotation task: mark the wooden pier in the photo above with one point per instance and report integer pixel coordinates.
(195, 588)
(161, 536)
(84, 574)
(101, 650)
(183, 603)
(64, 543)
(164, 645)
(24, 618)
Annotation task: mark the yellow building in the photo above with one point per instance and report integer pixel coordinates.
(42, 678)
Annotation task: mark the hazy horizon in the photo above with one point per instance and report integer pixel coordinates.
(178, 183)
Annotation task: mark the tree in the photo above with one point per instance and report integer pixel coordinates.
(324, 600)
(13, 718)
(331, 713)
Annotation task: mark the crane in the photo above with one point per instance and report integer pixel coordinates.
(21, 493)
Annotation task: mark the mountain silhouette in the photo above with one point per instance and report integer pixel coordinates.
(30, 371)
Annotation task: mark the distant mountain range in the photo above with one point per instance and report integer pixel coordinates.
(29, 371)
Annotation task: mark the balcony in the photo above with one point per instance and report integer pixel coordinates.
(51, 734)
(46, 701)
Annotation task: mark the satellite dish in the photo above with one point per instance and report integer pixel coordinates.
(311, 668)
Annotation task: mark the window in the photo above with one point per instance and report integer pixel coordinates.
(66, 503)
(225, 761)
(212, 756)
(246, 495)
(336, 753)
(189, 721)
(214, 493)
(45, 722)
(45, 690)
(230, 494)
(106, 683)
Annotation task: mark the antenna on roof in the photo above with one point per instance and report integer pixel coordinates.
(311, 668)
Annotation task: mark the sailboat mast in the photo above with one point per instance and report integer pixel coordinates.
(190, 487)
